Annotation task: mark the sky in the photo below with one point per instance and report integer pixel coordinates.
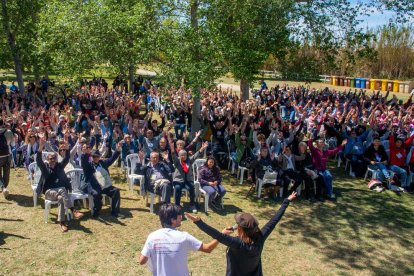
(376, 18)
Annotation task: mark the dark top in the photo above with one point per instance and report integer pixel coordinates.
(244, 259)
(89, 168)
(52, 178)
(379, 155)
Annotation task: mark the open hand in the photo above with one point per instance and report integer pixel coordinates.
(192, 217)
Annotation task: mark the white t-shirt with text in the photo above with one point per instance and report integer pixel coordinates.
(167, 250)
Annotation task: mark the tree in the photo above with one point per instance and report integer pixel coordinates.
(18, 19)
(189, 52)
(248, 31)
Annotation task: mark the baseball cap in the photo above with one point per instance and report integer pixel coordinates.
(246, 221)
(96, 153)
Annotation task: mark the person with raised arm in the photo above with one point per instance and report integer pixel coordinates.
(244, 253)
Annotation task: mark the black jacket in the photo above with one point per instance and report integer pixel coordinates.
(244, 259)
(166, 170)
(52, 178)
(89, 168)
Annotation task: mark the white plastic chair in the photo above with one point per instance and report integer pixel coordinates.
(152, 196)
(232, 163)
(269, 177)
(45, 154)
(197, 187)
(34, 178)
(131, 162)
(77, 180)
(240, 171)
(48, 205)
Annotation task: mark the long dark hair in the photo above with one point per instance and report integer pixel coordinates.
(215, 169)
(249, 236)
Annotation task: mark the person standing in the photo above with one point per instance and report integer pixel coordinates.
(244, 253)
(6, 137)
(166, 249)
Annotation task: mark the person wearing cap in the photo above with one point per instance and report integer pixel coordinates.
(97, 175)
(167, 249)
(245, 249)
(54, 183)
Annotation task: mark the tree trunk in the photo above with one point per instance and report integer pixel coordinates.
(18, 67)
(131, 71)
(244, 89)
(195, 122)
(196, 110)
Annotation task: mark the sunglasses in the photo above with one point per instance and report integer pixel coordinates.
(32, 136)
(52, 159)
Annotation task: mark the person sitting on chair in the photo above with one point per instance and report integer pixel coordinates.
(54, 183)
(209, 177)
(288, 165)
(97, 175)
(264, 162)
(158, 178)
(183, 174)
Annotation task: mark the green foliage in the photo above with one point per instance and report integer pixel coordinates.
(248, 31)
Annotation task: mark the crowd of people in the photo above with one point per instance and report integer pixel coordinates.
(287, 132)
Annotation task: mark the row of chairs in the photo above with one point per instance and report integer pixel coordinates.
(132, 161)
(77, 180)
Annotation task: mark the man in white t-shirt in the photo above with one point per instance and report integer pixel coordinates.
(167, 248)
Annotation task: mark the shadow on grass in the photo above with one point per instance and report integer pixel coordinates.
(14, 220)
(343, 230)
(4, 236)
(21, 200)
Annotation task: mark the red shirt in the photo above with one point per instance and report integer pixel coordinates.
(398, 155)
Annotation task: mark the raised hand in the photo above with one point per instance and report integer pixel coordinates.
(204, 146)
(165, 155)
(141, 154)
(292, 196)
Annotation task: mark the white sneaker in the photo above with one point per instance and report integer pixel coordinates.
(352, 174)
(5, 193)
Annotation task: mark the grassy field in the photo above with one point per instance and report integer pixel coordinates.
(229, 80)
(362, 233)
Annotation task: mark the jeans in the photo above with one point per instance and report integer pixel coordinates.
(401, 173)
(383, 171)
(5, 170)
(327, 179)
(179, 128)
(179, 186)
(221, 191)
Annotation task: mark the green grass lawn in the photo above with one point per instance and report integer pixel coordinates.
(362, 233)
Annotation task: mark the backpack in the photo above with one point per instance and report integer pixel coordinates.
(4, 148)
